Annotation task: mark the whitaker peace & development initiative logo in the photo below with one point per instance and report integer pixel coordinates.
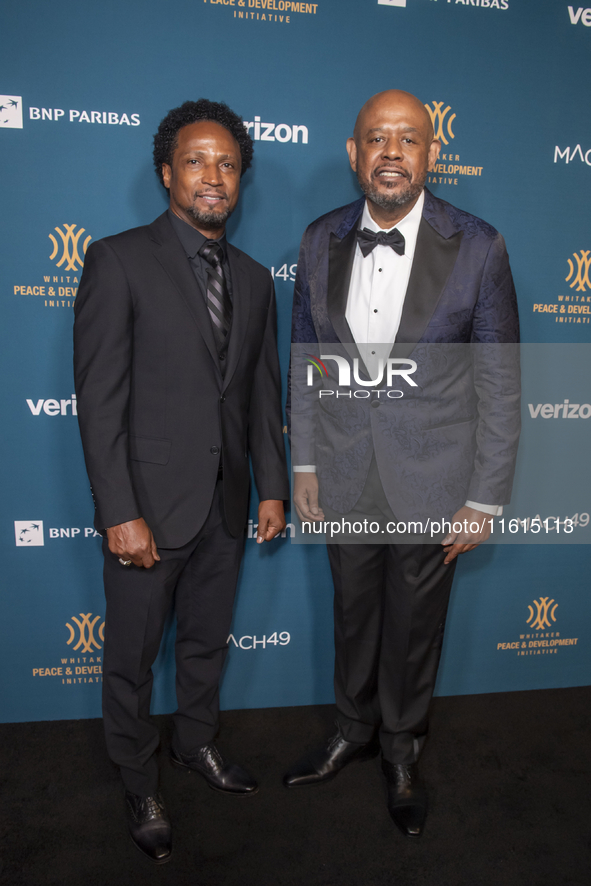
(541, 612)
(579, 270)
(541, 619)
(84, 632)
(69, 256)
(86, 636)
(449, 165)
(68, 249)
(281, 12)
(572, 307)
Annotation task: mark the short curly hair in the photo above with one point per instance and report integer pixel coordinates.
(166, 139)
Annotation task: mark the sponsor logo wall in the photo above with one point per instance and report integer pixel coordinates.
(81, 99)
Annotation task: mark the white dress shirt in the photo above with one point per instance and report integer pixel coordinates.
(379, 283)
(376, 297)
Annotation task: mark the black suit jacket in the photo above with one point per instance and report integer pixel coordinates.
(153, 408)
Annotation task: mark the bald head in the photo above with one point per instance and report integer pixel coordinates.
(391, 151)
(393, 101)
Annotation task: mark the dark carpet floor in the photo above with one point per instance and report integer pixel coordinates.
(508, 775)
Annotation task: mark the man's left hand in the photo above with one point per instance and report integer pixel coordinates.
(271, 520)
(466, 540)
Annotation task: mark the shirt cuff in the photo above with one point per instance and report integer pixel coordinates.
(493, 510)
(300, 469)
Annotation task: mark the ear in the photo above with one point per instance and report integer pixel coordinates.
(434, 150)
(352, 152)
(166, 174)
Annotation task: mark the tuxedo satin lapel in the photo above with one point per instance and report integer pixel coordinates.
(433, 262)
(240, 311)
(340, 265)
(171, 255)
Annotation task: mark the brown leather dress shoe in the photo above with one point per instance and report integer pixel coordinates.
(407, 797)
(219, 775)
(149, 826)
(327, 762)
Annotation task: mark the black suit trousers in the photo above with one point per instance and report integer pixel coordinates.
(200, 577)
(390, 607)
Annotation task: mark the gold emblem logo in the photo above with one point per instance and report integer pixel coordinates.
(545, 610)
(86, 627)
(438, 115)
(581, 279)
(69, 244)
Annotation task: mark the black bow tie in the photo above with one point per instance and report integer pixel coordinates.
(368, 239)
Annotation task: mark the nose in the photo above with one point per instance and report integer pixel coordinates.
(392, 149)
(212, 175)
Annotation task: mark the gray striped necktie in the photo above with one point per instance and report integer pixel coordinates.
(218, 298)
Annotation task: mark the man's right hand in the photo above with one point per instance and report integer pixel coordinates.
(133, 541)
(305, 496)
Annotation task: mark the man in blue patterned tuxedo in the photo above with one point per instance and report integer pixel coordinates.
(403, 268)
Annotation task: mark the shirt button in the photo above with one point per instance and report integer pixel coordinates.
(380, 270)
(222, 399)
(375, 403)
(222, 356)
(215, 450)
(373, 352)
(375, 310)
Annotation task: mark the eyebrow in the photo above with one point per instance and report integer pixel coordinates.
(381, 129)
(198, 153)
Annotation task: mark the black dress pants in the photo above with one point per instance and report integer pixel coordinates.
(201, 578)
(390, 607)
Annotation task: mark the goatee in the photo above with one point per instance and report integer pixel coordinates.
(209, 220)
(389, 202)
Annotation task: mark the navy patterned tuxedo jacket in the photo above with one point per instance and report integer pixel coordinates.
(452, 438)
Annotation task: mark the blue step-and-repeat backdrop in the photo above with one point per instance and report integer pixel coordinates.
(83, 88)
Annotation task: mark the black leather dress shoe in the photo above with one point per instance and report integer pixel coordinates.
(326, 763)
(149, 826)
(219, 775)
(407, 797)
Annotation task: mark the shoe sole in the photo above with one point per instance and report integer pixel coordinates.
(370, 755)
(149, 857)
(188, 769)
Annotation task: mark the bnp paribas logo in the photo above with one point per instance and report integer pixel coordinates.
(28, 533)
(66, 250)
(442, 121)
(542, 613)
(11, 112)
(578, 270)
(87, 633)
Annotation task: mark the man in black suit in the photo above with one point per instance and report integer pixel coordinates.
(402, 273)
(177, 379)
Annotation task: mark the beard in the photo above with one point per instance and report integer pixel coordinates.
(209, 220)
(396, 200)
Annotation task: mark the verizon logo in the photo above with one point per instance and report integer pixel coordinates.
(565, 409)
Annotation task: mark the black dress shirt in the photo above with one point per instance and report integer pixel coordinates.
(192, 241)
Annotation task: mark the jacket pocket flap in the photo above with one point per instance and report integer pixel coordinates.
(149, 449)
